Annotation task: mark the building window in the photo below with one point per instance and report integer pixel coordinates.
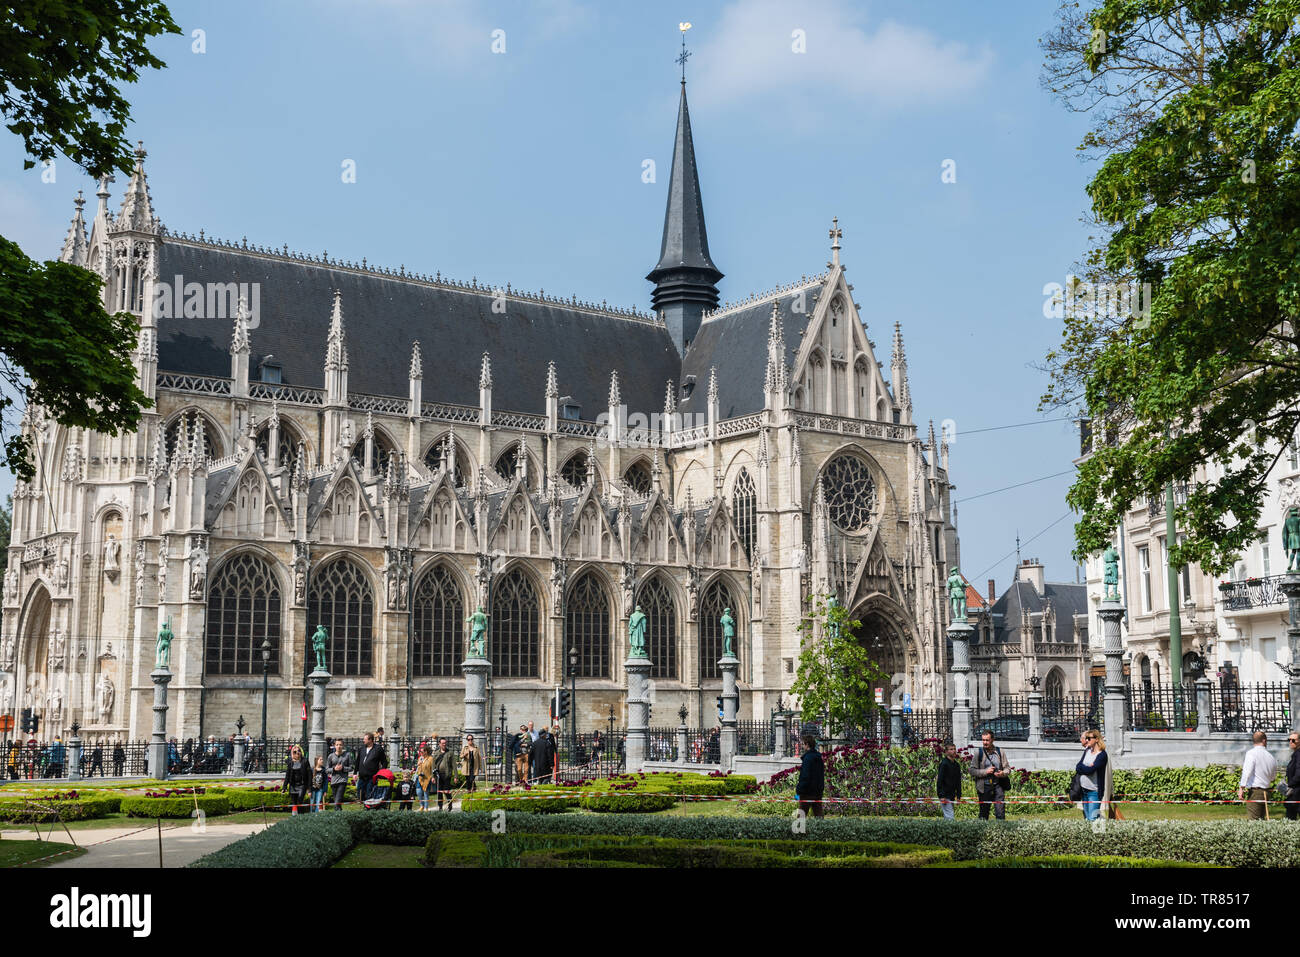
(661, 627)
(243, 610)
(384, 450)
(743, 510)
(433, 459)
(574, 471)
(288, 445)
(1264, 558)
(341, 599)
(637, 478)
(1293, 453)
(1055, 685)
(439, 624)
(587, 627)
(850, 493)
(186, 421)
(717, 598)
(1144, 576)
(516, 615)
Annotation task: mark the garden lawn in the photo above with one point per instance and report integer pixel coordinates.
(15, 853)
(382, 855)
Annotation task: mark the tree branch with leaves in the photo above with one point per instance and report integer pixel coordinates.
(836, 678)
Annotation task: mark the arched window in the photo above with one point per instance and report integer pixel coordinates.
(574, 471)
(1055, 684)
(516, 615)
(439, 625)
(243, 611)
(290, 439)
(586, 627)
(744, 505)
(657, 605)
(186, 420)
(717, 598)
(384, 450)
(637, 477)
(851, 493)
(433, 457)
(341, 599)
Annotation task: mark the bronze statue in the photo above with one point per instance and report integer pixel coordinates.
(1291, 538)
(728, 633)
(636, 634)
(163, 657)
(1110, 574)
(477, 634)
(957, 594)
(319, 639)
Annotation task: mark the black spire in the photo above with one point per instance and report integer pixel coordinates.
(685, 278)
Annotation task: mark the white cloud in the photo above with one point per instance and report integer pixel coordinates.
(748, 55)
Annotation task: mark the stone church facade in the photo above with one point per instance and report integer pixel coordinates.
(380, 452)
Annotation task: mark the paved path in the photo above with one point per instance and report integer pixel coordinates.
(113, 847)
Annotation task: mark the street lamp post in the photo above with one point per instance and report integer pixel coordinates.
(505, 775)
(573, 702)
(266, 670)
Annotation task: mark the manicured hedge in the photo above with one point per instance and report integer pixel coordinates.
(518, 802)
(1072, 861)
(83, 808)
(317, 840)
(251, 799)
(176, 807)
(633, 802)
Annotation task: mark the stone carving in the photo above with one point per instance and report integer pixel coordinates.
(957, 594)
(559, 574)
(58, 649)
(832, 623)
(728, 633)
(163, 656)
(628, 582)
(477, 639)
(483, 575)
(693, 591)
(61, 573)
(7, 652)
(112, 548)
(1110, 574)
(1291, 538)
(56, 707)
(636, 634)
(104, 694)
(162, 573)
(756, 583)
(1288, 494)
(299, 585)
(139, 572)
(198, 571)
(11, 586)
(320, 637)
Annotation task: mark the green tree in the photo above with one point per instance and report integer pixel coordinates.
(61, 65)
(6, 532)
(1200, 196)
(835, 678)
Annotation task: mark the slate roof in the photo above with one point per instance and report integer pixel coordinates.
(384, 314)
(1068, 600)
(685, 242)
(736, 342)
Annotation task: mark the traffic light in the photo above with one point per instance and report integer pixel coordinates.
(566, 701)
(26, 723)
(36, 723)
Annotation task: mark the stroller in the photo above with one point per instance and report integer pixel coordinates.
(382, 789)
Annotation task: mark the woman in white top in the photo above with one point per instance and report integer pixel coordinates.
(1094, 775)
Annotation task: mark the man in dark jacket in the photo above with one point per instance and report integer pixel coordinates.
(949, 781)
(1293, 778)
(989, 768)
(444, 772)
(521, 748)
(119, 759)
(370, 759)
(812, 779)
(339, 764)
(543, 757)
(97, 760)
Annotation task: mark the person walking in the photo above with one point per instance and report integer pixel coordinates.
(320, 779)
(297, 778)
(1257, 773)
(119, 759)
(1293, 778)
(948, 784)
(58, 755)
(424, 778)
(543, 756)
(340, 766)
(812, 779)
(522, 747)
(97, 759)
(1094, 775)
(989, 769)
(370, 759)
(444, 770)
(471, 761)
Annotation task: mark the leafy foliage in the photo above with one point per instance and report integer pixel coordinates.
(1200, 196)
(836, 677)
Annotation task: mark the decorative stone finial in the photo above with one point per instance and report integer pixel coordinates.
(417, 362)
(485, 373)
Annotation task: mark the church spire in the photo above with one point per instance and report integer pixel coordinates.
(75, 247)
(137, 207)
(685, 278)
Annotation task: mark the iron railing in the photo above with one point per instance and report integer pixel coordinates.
(1162, 708)
(926, 726)
(1252, 593)
(703, 745)
(1264, 706)
(1067, 717)
(754, 737)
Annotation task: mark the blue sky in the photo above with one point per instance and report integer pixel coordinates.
(526, 167)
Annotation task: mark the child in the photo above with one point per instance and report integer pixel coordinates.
(319, 782)
(406, 792)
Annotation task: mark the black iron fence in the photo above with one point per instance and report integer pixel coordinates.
(1067, 717)
(927, 726)
(1265, 706)
(754, 737)
(30, 760)
(1252, 593)
(703, 745)
(1162, 708)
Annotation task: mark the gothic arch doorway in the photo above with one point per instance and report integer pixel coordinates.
(33, 692)
(885, 641)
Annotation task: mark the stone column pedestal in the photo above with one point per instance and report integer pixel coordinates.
(638, 708)
(476, 674)
(1111, 612)
(74, 759)
(1035, 717)
(237, 761)
(895, 725)
(1203, 687)
(1290, 586)
(778, 735)
(962, 717)
(158, 742)
(682, 744)
(316, 747)
(729, 665)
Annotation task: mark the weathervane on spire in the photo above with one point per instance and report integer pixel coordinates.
(683, 26)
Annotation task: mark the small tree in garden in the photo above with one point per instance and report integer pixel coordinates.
(836, 678)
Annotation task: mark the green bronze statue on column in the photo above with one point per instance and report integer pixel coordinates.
(957, 594)
(319, 639)
(728, 634)
(1110, 574)
(478, 633)
(163, 656)
(1291, 538)
(636, 634)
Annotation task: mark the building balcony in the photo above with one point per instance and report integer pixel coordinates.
(1252, 595)
(1156, 507)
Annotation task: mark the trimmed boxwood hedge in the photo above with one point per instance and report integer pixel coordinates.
(211, 805)
(1072, 861)
(633, 802)
(518, 802)
(83, 808)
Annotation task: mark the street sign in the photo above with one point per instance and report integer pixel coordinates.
(6, 723)
(880, 696)
(907, 701)
(304, 711)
